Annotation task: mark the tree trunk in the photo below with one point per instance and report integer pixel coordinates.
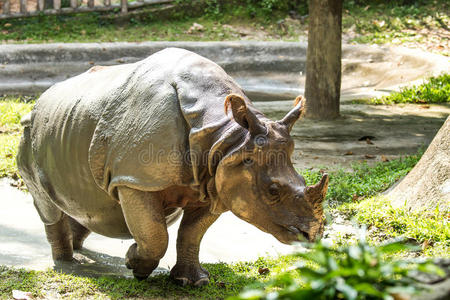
(323, 59)
(427, 186)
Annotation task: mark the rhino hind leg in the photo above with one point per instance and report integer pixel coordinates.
(59, 235)
(146, 220)
(79, 234)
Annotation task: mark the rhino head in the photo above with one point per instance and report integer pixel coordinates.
(258, 182)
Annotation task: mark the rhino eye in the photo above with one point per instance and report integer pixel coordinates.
(248, 161)
(274, 189)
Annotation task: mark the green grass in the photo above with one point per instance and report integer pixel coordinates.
(364, 180)
(380, 22)
(226, 280)
(422, 22)
(12, 109)
(432, 227)
(433, 90)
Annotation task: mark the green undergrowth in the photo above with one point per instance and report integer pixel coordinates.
(373, 21)
(12, 109)
(364, 180)
(433, 90)
(431, 229)
(396, 21)
(353, 272)
(226, 280)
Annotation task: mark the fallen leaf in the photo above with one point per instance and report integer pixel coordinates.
(263, 271)
(21, 295)
(426, 244)
(348, 153)
(355, 197)
(369, 156)
(195, 27)
(398, 296)
(316, 157)
(424, 106)
(7, 25)
(369, 141)
(384, 158)
(91, 62)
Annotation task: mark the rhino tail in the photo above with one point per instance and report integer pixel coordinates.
(26, 120)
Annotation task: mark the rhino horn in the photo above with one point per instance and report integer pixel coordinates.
(295, 113)
(243, 115)
(317, 192)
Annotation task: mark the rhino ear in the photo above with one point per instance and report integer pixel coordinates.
(242, 115)
(316, 193)
(295, 113)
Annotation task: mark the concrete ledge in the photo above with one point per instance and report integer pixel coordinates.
(266, 70)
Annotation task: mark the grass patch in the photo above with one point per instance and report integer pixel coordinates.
(429, 228)
(12, 109)
(226, 280)
(364, 180)
(398, 22)
(433, 90)
(420, 22)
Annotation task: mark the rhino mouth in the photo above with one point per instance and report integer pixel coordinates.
(297, 231)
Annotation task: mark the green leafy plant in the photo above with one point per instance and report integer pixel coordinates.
(357, 271)
(434, 90)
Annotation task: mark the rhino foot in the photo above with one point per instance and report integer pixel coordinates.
(189, 275)
(142, 267)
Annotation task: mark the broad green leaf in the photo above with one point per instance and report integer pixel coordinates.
(397, 246)
(251, 294)
(368, 289)
(349, 292)
(310, 274)
(430, 268)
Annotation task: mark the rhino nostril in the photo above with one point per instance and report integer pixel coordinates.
(306, 235)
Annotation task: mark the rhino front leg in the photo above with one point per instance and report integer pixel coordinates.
(193, 226)
(145, 218)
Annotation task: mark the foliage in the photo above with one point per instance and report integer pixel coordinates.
(378, 21)
(363, 22)
(226, 280)
(252, 8)
(351, 272)
(11, 111)
(364, 180)
(431, 228)
(434, 90)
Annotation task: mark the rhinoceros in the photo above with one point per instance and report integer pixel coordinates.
(125, 150)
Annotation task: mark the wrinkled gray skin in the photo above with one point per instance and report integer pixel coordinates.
(124, 150)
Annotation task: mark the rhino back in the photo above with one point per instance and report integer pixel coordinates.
(132, 125)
